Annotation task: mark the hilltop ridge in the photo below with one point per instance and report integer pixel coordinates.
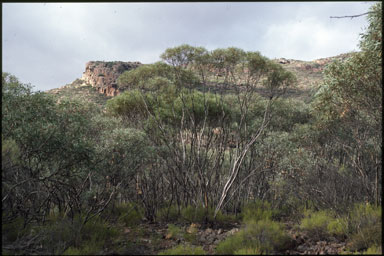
(99, 80)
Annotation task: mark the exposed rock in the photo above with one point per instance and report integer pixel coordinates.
(103, 75)
(232, 231)
(284, 61)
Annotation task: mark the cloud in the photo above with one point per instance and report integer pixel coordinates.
(48, 44)
(309, 39)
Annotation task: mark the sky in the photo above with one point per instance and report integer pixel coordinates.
(48, 44)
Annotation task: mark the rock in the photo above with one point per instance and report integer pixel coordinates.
(219, 231)
(302, 247)
(210, 238)
(216, 242)
(233, 231)
(103, 75)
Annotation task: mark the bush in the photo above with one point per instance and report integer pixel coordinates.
(197, 105)
(316, 224)
(196, 214)
(129, 214)
(90, 238)
(173, 231)
(184, 250)
(337, 227)
(13, 230)
(364, 227)
(374, 250)
(248, 251)
(263, 236)
(130, 104)
(258, 210)
(168, 214)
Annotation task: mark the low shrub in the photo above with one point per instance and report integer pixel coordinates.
(197, 214)
(259, 210)
(74, 237)
(337, 228)
(264, 236)
(13, 230)
(130, 214)
(168, 214)
(191, 233)
(248, 251)
(316, 224)
(374, 250)
(364, 227)
(184, 250)
(173, 231)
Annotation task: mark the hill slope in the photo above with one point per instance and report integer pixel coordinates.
(309, 75)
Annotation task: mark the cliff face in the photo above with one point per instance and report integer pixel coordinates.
(103, 75)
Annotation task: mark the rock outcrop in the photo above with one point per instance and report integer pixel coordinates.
(103, 75)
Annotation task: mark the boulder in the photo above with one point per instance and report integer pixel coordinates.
(103, 75)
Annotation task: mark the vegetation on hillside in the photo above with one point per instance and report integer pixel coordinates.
(170, 149)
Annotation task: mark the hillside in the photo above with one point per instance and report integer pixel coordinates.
(98, 83)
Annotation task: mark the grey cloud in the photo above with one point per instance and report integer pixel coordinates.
(49, 44)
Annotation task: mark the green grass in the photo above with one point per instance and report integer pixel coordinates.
(184, 250)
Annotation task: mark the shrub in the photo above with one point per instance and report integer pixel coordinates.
(231, 244)
(167, 213)
(337, 227)
(173, 231)
(90, 238)
(258, 210)
(11, 231)
(248, 251)
(195, 214)
(184, 250)
(129, 214)
(364, 227)
(130, 104)
(316, 224)
(265, 236)
(223, 219)
(374, 250)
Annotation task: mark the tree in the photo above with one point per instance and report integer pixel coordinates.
(349, 107)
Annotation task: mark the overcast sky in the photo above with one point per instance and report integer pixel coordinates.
(48, 44)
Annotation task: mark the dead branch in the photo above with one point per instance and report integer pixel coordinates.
(349, 16)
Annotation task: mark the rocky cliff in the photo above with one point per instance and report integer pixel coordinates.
(103, 75)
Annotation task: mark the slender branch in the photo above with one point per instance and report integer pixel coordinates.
(349, 16)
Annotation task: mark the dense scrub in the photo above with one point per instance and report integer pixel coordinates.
(170, 150)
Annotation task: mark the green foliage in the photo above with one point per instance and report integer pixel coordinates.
(374, 250)
(139, 77)
(13, 230)
(248, 251)
(76, 237)
(184, 250)
(287, 113)
(129, 213)
(195, 214)
(131, 104)
(199, 106)
(174, 231)
(316, 224)
(167, 213)
(256, 211)
(337, 227)
(364, 227)
(10, 152)
(264, 236)
(278, 79)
